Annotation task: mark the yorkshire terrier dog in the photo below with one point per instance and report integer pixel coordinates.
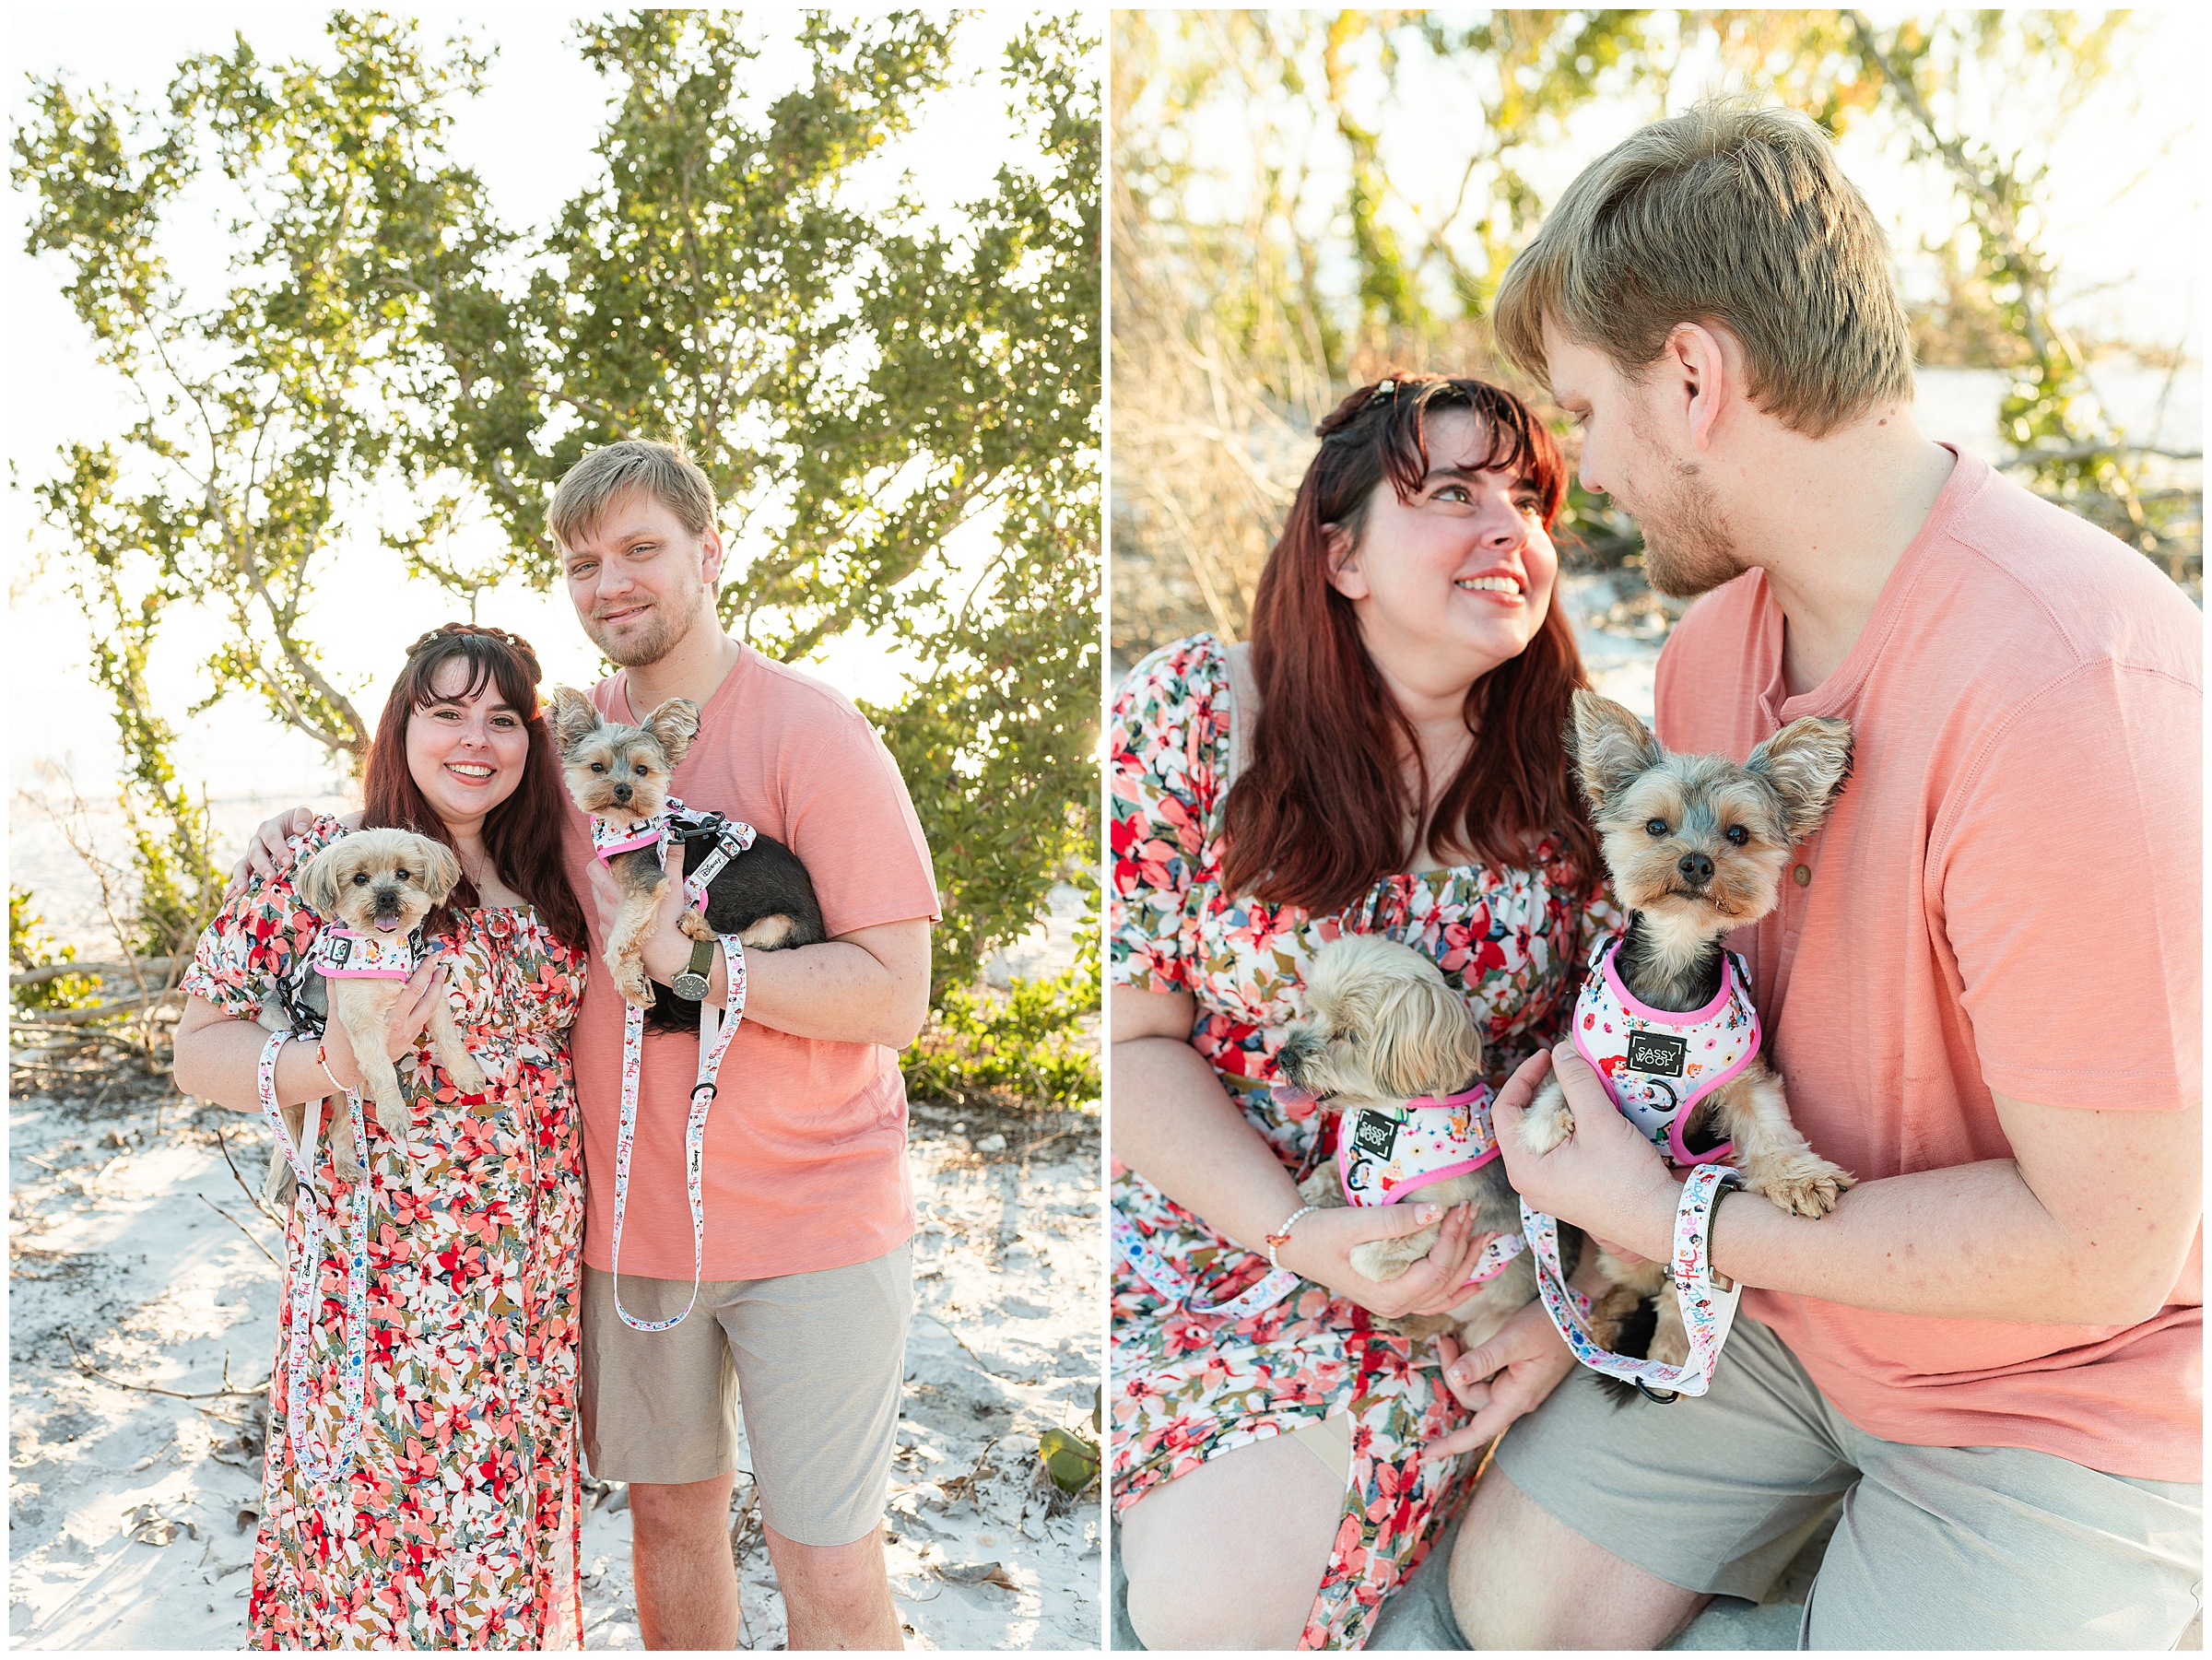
(373, 889)
(1387, 1043)
(1697, 846)
(619, 775)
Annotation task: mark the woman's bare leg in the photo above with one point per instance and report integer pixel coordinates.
(1229, 1556)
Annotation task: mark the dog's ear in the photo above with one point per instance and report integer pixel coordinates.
(441, 870)
(673, 725)
(1425, 1042)
(315, 881)
(1610, 747)
(1806, 764)
(571, 714)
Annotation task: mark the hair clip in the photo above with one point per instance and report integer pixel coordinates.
(1385, 390)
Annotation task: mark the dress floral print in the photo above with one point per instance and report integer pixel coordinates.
(458, 1524)
(1187, 1388)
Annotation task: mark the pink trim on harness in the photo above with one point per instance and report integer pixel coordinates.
(342, 954)
(1697, 1051)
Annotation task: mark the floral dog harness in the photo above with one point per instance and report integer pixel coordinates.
(342, 954)
(608, 839)
(1383, 1156)
(1657, 1066)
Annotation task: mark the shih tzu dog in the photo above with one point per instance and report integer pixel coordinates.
(1389, 1045)
(1697, 846)
(619, 775)
(373, 889)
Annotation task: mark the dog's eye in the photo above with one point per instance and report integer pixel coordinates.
(401, 873)
(599, 766)
(1738, 834)
(360, 879)
(1658, 827)
(641, 769)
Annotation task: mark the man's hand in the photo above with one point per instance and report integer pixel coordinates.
(1511, 1374)
(270, 852)
(1321, 1245)
(1606, 1178)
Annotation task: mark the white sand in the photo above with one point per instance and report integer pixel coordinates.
(113, 1241)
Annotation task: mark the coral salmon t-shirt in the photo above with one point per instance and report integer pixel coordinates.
(804, 1162)
(2006, 898)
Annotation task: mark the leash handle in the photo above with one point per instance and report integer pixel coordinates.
(1707, 1310)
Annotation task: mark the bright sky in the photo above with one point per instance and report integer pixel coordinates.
(529, 137)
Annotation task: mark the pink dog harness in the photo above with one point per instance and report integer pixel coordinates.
(1657, 1065)
(607, 840)
(342, 954)
(1383, 1156)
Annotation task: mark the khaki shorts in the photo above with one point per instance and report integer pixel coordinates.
(815, 1361)
(1937, 1547)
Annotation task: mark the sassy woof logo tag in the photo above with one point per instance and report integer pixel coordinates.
(1658, 1053)
(1375, 1135)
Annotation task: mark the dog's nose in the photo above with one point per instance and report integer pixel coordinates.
(387, 901)
(622, 793)
(1695, 867)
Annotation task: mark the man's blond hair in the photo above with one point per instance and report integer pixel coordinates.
(663, 471)
(1729, 214)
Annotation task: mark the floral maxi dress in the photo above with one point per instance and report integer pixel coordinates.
(458, 1524)
(1188, 1387)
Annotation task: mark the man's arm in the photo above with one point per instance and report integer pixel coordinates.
(2088, 1223)
(869, 986)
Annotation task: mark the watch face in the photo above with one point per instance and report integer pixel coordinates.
(690, 986)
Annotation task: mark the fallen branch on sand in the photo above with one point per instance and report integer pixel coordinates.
(86, 1367)
(241, 1227)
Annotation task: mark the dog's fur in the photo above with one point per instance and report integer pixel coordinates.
(374, 881)
(1382, 1028)
(620, 772)
(1685, 889)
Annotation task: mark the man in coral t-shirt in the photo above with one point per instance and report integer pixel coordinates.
(806, 1283)
(1982, 980)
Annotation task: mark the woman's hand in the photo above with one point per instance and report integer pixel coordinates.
(1320, 1246)
(270, 850)
(403, 1021)
(1511, 1374)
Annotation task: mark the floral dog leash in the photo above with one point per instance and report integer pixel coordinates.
(319, 1463)
(1707, 1310)
(715, 1034)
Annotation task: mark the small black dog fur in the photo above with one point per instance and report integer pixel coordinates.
(763, 885)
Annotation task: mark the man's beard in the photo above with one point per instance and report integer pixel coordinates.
(1687, 549)
(668, 626)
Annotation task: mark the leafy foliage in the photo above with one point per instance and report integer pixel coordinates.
(30, 946)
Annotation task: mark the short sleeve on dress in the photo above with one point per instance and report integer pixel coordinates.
(1166, 741)
(258, 936)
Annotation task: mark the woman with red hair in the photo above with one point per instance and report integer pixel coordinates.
(422, 1487)
(1385, 755)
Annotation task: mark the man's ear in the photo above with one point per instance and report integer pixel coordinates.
(710, 543)
(1343, 553)
(1702, 376)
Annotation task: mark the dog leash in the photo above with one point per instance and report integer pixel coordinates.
(731, 838)
(324, 1466)
(1179, 1288)
(1707, 1311)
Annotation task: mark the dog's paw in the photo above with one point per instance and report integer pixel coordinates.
(1805, 1183)
(693, 924)
(343, 1161)
(468, 1078)
(1547, 1123)
(1386, 1259)
(635, 988)
(1670, 1343)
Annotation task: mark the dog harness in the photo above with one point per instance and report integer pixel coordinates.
(1657, 1066)
(319, 1464)
(607, 840)
(715, 1030)
(1383, 1155)
(344, 954)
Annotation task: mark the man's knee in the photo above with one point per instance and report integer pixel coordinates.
(674, 1511)
(829, 1575)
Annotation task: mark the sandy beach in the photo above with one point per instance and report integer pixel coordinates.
(132, 1514)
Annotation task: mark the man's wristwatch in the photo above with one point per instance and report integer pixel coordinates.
(692, 983)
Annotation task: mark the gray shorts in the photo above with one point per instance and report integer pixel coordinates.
(813, 1360)
(1937, 1547)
